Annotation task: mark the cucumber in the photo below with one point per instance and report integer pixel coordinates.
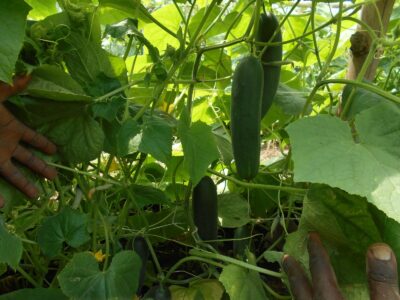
(158, 292)
(268, 24)
(141, 249)
(205, 209)
(247, 89)
(240, 244)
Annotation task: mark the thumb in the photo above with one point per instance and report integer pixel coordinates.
(382, 273)
(19, 84)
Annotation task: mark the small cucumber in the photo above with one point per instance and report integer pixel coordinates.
(141, 249)
(158, 292)
(205, 209)
(247, 90)
(241, 242)
(268, 24)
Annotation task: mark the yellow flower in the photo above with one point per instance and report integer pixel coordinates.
(99, 256)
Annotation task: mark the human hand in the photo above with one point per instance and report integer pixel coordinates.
(381, 273)
(12, 134)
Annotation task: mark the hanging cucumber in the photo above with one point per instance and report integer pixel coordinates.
(268, 24)
(141, 248)
(158, 292)
(241, 241)
(205, 209)
(247, 89)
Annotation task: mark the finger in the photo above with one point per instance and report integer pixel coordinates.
(16, 178)
(1, 201)
(34, 163)
(18, 85)
(299, 284)
(38, 141)
(382, 273)
(323, 276)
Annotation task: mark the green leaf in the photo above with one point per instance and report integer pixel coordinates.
(241, 283)
(324, 151)
(199, 147)
(127, 6)
(121, 139)
(362, 99)
(13, 20)
(50, 82)
(169, 16)
(92, 67)
(233, 210)
(35, 294)
(291, 101)
(68, 226)
(108, 110)
(207, 289)
(157, 138)
(41, 8)
(79, 139)
(81, 278)
(10, 246)
(147, 195)
(348, 225)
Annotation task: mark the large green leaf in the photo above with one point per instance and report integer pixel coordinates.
(12, 30)
(35, 294)
(364, 163)
(10, 246)
(121, 138)
(199, 147)
(362, 99)
(233, 210)
(81, 278)
(68, 226)
(147, 195)
(205, 289)
(169, 16)
(241, 283)
(347, 225)
(50, 82)
(157, 138)
(127, 6)
(92, 67)
(41, 8)
(79, 139)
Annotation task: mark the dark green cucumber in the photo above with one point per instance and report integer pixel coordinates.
(158, 292)
(141, 248)
(205, 209)
(268, 24)
(247, 89)
(241, 241)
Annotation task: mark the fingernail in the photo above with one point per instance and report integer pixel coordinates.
(381, 252)
(285, 262)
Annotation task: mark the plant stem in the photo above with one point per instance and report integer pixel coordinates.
(258, 185)
(191, 258)
(227, 259)
(27, 277)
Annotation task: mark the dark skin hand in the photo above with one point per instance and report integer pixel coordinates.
(381, 272)
(13, 136)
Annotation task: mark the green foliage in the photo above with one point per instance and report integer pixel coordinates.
(11, 246)
(348, 225)
(361, 159)
(242, 284)
(198, 145)
(35, 294)
(13, 15)
(68, 226)
(139, 95)
(82, 279)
